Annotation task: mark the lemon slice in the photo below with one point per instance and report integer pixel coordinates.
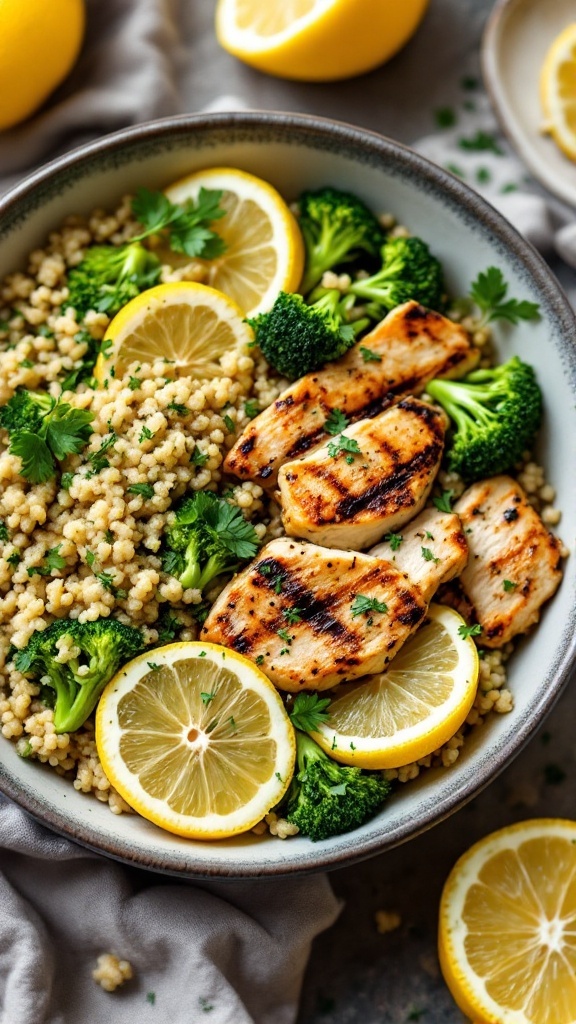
(558, 90)
(264, 249)
(392, 719)
(316, 40)
(188, 324)
(507, 935)
(196, 739)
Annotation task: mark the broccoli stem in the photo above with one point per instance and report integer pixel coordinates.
(71, 713)
(307, 750)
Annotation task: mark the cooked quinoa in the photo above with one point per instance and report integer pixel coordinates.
(109, 536)
(111, 972)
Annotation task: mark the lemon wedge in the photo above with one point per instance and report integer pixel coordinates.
(507, 932)
(316, 40)
(188, 324)
(264, 249)
(409, 711)
(196, 739)
(558, 91)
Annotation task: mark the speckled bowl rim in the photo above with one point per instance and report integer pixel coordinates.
(365, 147)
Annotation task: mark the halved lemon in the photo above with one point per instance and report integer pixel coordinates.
(407, 712)
(189, 325)
(196, 739)
(558, 91)
(507, 930)
(264, 249)
(316, 40)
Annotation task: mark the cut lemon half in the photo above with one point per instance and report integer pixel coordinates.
(188, 325)
(407, 712)
(507, 930)
(316, 40)
(196, 739)
(264, 249)
(558, 91)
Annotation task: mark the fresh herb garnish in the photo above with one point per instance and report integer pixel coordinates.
(394, 540)
(198, 458)
(185, 224)
(146, 490)
(229, 423)
(43, 431)
(98, 459)
(284, 635)
(361, 605)
(53, 561)
(489, 292)
(466, 631)
(343, 444)
(369, 356)
(178, 408)
(308, 711)
(292, 615)
(429, 556)
(481, 142)
(336, 422)
(508, 586)
(444, 502)
(3, 530)
(146, 434)
(207, 697)
(445, 117)
(251, 408)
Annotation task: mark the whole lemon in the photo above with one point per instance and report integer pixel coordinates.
(316, 40)
(39, 43)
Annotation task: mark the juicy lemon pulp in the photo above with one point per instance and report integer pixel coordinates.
(409, 711)
(197, 740)
(558, 90)
(264, 250)
(507, 935)
(188, 324)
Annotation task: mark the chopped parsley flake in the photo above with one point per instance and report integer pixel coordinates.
(207, 697)
(343, 444)
(429, 556)
(444, 502)
(336, 422)
(508, 585)
(146, 490)
(394, 540)
(466, 631)
(362, 604)
(369, 356)
(292, 615)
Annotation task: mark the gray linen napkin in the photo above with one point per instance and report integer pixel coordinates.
(225, 952)
(228, 953)
(126, 73)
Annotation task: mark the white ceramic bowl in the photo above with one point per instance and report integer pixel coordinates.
(516, 40)
(295, 152)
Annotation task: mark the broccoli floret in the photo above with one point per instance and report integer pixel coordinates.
(326, 798)
(297, 338)
(409, 271)
(109, 276)
(103, 647)
(337, 227)
(496, 411)
(210, 536)
(26, 411)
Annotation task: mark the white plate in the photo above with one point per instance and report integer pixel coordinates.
(516, 39)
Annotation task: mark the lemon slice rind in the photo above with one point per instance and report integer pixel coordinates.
(418, 703)
(189, 325)
(265, 251)
(532, 918)
(160, 751)
(558, 99)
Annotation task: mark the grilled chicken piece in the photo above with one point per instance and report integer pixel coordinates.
(514, 563)
(294, 611)
(433, 550)
(350, 501)
(412, 345)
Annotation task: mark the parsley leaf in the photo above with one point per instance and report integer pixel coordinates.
(343, 444)
(146, 490)
(445, 117)
(336, 422)
(508, 585)
(369, 356)
(3, 531)
(308, 711)
(187, 224)
(361, 605)
(284, 635)
(68, 430)
(198, 458)
(489, 292)
(207, 697)
(481, 142)
(98, 458)
(167, 626)
(292, 615)
(429, 556)
(394, 540)
(465, 631)
(53, 561)
(146, 434)
(229, 424)
(35, 455)
(444, 502)
(251, 408)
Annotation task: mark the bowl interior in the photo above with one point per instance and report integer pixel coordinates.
(467, 235)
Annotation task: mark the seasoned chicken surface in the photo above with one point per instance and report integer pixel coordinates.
(399, 357)
(311, 616)
(349, 500)
(432, 550)
(514, 563)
